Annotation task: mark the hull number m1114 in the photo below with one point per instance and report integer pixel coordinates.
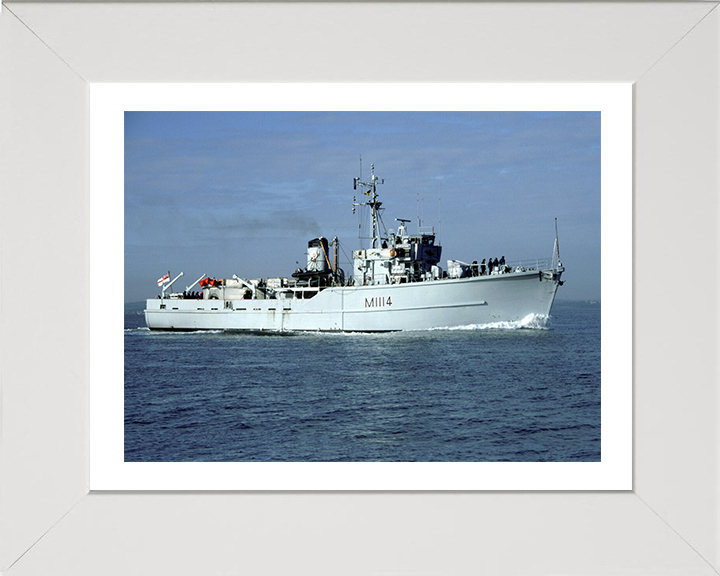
(378, 302)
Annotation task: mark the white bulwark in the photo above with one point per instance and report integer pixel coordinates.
(397, 284)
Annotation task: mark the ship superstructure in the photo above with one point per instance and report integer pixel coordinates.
(397, 284)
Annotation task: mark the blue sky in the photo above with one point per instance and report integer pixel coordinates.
(242, 192)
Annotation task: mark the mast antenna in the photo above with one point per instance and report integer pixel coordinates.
(373, 202)
(439, 210)
(556, 248)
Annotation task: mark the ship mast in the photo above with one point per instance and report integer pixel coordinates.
(373, 202)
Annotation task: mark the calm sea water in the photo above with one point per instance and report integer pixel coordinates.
(485, 394)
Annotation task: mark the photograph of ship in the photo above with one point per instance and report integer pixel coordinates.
(360, 286)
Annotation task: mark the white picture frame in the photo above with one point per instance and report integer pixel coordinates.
(667, 524)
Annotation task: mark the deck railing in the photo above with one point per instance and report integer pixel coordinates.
(533, 263)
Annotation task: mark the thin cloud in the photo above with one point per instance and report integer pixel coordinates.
(268, 182)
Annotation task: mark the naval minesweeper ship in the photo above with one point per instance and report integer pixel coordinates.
(397, 284)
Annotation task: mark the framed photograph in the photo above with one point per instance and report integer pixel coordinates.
(554, 452)
(69, 514)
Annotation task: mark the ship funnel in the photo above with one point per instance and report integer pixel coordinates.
(318, 259)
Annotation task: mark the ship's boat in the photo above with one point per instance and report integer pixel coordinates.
(397, 284)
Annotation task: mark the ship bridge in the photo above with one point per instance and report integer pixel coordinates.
(403, 258)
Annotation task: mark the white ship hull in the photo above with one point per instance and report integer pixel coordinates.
(442, 303)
